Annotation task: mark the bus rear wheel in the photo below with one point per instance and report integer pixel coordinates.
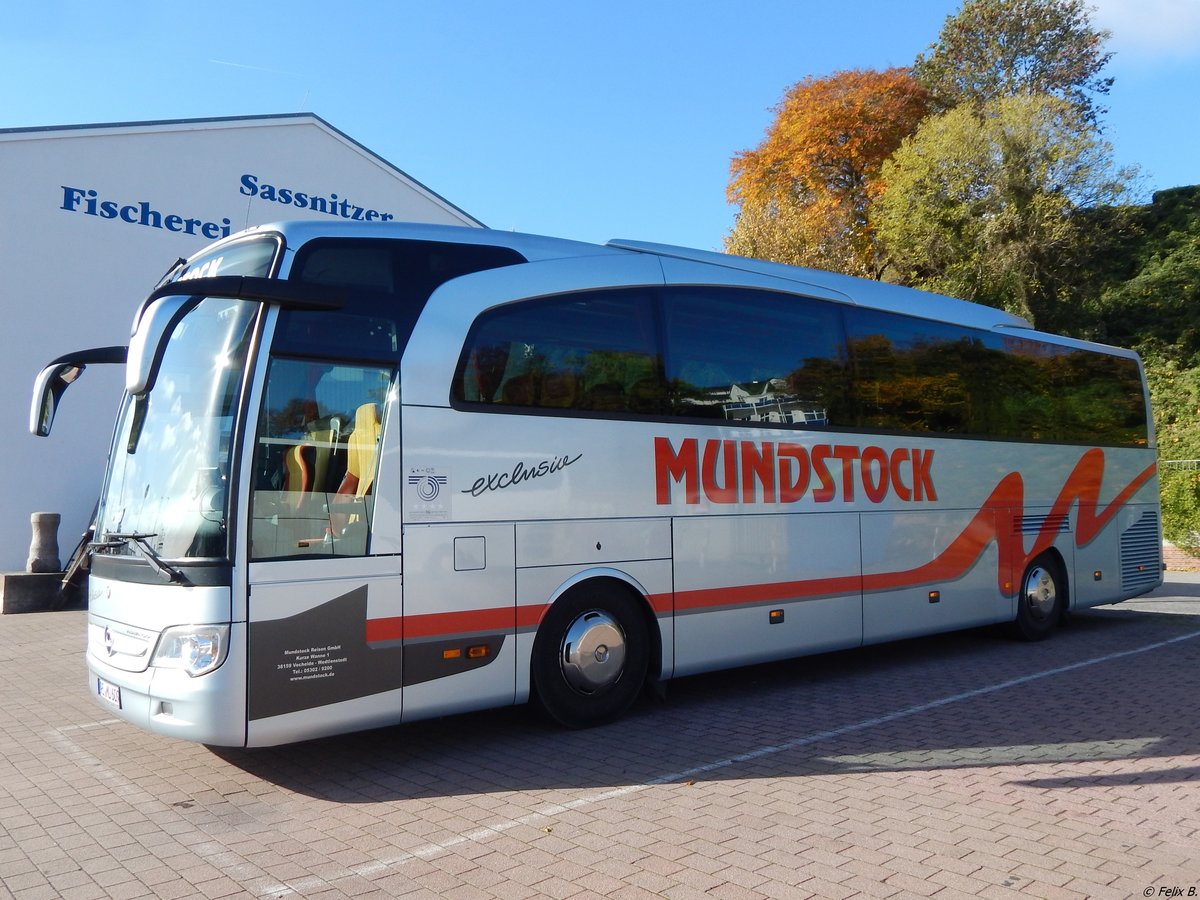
(1041, 599)
(590, 656)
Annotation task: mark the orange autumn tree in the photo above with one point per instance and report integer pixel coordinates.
(804, 194)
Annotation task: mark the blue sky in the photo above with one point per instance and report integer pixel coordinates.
(581, 120)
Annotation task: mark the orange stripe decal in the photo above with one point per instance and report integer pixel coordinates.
(452, 623)
(993, 523)
(390, 629)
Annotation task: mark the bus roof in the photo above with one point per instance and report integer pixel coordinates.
(859, 291)
(536, 248)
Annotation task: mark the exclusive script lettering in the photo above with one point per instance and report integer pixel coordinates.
(520, 474)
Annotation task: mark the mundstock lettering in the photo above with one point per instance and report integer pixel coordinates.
(770, 472)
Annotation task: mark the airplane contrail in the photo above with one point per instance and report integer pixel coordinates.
(222, 62)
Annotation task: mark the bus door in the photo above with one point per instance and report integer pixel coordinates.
(459, 612)
(324, 610)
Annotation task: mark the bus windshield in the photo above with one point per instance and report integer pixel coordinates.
(169, 474)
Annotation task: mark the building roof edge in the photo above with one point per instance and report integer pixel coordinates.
(269, 118)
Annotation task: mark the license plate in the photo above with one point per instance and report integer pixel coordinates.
(110, 693)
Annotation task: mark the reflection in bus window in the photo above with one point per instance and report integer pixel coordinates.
(754, 356)
(935, 377)
(316, 458)
(591, 352)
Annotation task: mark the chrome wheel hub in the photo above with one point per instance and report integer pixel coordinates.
(1041, 592)
(592, 655)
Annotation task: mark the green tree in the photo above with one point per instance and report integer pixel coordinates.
(1006, 48)
(1154, 304)
(805, 192)
(980, 202)
(1175, 398)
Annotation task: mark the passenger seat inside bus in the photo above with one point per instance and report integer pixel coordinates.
(362, 449)
(307, 465)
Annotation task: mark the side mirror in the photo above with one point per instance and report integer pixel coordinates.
(146, 345)
(59, 375)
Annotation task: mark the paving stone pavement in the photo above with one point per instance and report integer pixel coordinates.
(954, 766)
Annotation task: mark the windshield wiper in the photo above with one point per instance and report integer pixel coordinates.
(139, 542)
(175, 267)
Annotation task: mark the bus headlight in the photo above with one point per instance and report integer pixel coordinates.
(197, 649)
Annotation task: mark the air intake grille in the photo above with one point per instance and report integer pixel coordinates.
(1141, 553)
(1035, 524)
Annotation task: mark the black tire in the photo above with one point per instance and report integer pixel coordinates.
(590, 656)
(1041, 599)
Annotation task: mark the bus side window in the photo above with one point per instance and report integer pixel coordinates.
(315, 458)
(589, 352)
(924, 376)
(736, 354)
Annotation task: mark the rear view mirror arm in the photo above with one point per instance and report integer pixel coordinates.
(58, 375)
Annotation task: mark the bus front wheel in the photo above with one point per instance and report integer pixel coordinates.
(1041, 599)
(590, 656)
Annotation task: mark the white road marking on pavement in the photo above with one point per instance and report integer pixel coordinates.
(487, 831)
(87, 726)
(133, 794)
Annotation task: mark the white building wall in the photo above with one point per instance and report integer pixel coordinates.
(76, 264)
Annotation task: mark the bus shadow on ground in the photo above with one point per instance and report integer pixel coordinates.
(973, 698)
